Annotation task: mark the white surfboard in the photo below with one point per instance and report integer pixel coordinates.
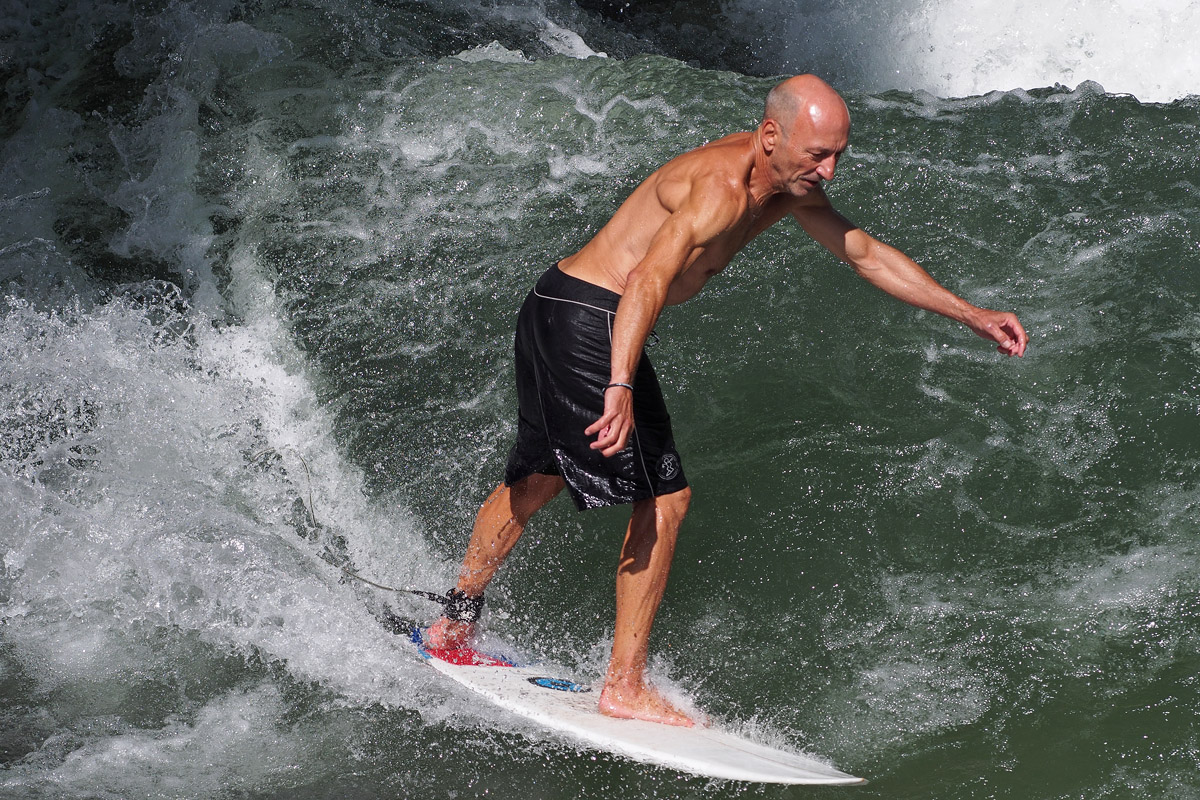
(571, 708)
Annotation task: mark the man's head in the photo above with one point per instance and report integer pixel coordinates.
(805, 128)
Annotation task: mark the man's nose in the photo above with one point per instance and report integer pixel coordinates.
(825, 168)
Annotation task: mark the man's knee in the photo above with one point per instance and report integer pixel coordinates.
(530, 494)
(677, 502)
(670, 508)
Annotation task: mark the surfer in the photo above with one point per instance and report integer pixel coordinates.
(591, 413)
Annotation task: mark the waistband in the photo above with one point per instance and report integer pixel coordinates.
(558, 285)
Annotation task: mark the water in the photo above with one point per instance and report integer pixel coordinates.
(260, 265)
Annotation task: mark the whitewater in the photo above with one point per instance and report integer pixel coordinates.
(259, 269)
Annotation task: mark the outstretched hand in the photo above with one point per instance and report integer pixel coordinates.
(615, 424)
(1004, 328)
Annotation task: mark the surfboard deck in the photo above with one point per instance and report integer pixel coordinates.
(560, 704)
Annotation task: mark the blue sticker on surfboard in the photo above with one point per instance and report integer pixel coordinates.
(558, 684)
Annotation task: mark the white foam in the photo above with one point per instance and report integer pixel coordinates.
(566, 42)
(973, 46)
(955, 48)
(237, 739)
(1137, 582)
(142, 447)
(493, 51)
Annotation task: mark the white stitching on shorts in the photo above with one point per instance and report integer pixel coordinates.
(576, 302)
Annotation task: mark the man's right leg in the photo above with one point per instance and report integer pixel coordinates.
(498, 526)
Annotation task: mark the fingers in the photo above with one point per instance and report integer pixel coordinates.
(1021, 336)
(613, 435)
(614, 425)
(610, 442)
(1006, 330)
(1013, 337)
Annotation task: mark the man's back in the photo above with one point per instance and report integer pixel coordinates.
(721, 168)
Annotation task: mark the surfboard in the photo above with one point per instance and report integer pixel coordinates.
(562, 705)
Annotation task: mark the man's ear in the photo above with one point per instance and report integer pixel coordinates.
(768, 134)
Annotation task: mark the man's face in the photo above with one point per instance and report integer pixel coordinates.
(807, 154)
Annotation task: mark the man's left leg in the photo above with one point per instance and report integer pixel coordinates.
(641, 580)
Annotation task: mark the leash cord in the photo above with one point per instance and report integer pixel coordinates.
(326, 557)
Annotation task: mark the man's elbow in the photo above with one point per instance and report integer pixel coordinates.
(861, 252)
(865, 264)
(645, 280)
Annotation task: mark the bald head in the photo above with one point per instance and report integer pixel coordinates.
(805, 129)
(808, 100)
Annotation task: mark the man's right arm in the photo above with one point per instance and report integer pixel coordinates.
(711, 208)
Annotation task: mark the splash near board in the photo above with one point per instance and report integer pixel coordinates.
(570, 708)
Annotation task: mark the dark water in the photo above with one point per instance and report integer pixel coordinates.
(260, 264)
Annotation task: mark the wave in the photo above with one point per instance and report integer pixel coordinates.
(948, 48)
(259, 264)
(955, 48)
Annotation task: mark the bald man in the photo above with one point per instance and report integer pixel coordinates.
(591, 414)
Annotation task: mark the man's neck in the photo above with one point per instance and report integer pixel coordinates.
(759, 183)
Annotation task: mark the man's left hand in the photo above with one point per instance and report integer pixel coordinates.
(1001, 327)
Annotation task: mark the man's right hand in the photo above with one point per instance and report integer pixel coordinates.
(615, 425)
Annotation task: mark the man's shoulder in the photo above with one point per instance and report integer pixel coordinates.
(721, 165)
(739, 138)
(720, 154)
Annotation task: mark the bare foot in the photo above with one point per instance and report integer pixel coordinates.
(640, 701)
(446, 634)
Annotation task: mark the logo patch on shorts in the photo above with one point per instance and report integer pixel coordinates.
(668, 466)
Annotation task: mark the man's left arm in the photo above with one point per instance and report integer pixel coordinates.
(888, 269)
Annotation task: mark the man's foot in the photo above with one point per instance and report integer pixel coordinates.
(447, 634)
(640, 701)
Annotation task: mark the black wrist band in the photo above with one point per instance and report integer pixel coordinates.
(461, 608)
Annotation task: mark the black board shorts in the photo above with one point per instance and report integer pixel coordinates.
(564, 354)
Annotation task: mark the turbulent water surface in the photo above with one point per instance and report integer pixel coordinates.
(259, 269)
